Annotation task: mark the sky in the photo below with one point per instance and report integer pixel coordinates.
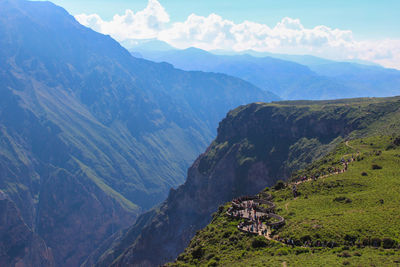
(336, 29)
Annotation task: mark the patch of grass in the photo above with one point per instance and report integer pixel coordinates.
(355, 212)
(356, 209)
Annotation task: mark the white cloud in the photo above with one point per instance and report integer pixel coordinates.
(214, 32)
(144, 24)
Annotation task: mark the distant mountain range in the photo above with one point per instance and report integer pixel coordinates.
(91, 136)
(288, 76)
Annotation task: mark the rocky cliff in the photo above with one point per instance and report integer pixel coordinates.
(346, 217)
(19, 245)
(89, 135)
(256, 145)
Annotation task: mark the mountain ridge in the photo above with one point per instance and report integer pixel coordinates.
(256, 145)
(289, 76)
(91, 136)
(337, 211)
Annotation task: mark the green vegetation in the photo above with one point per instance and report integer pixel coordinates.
(336, 118)
(356, 213)
(257, 145)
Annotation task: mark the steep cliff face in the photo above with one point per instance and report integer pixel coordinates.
(341, 218)
(89, 135)
(19, 245)
(251, 152)
(75, 210)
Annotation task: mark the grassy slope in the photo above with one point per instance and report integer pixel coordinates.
(369, 115)
(315, 214)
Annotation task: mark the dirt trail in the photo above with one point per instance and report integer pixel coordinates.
(352, 147)
(249, 214)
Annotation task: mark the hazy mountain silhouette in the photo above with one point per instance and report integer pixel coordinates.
(289, 76)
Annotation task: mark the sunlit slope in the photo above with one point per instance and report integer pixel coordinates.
(347, 218)
(256, 145)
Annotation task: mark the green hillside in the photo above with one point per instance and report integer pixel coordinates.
(91, 136)
(349, 218)
(256, 145)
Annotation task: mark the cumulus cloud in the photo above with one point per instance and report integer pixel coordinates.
(214, 32)
(144, 24)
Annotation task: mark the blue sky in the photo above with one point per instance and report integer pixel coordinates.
(337, 29)
(368, 19)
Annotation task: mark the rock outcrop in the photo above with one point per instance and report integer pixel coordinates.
(91, 136)
(249, 153)
(19, 245)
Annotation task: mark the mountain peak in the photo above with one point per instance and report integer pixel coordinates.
(91, 135)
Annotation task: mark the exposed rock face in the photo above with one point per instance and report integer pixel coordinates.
(19, 245)
(89, 135)
(73, 209)
(249, 153)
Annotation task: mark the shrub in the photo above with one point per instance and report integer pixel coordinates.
(181, 257)
(388, 243)
(342, 199)
(391, 146)
(227, 234)
(332, 244)
(210, 256)
(366, 242)
(376, 167)
(259, 242)
(350, 238)
(376, 242)
(282, 251)
(305, 238)
(346, 263)
(279, 185)
(397, 141)
(344, 254)
(212, 263)
(233, 239)
(339, 199)
(197, 253)
(300, 250)
(364, 174)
